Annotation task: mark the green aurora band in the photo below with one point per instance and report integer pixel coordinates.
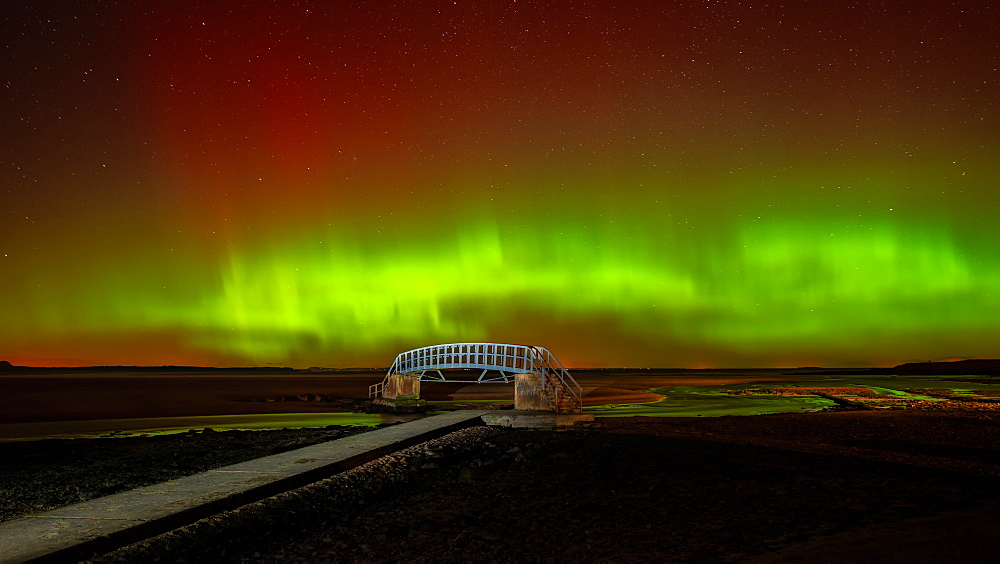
(791, 285)
(660, 184)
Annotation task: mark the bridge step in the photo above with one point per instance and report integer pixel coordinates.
(563, 402)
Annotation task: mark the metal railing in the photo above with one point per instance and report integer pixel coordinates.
(569, 384)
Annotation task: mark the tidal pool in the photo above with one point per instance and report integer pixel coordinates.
(710, 401)
(713, 401)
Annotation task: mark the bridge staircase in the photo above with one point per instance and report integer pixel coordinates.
(559, 388)
(560, 399)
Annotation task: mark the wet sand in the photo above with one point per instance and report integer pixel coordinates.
(123, 395)
(112, 395)
(116, 403)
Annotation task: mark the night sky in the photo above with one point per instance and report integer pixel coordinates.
(670, 184)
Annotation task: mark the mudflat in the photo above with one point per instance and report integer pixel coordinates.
(125, 395)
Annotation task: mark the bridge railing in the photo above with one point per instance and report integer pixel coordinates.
(482, 356)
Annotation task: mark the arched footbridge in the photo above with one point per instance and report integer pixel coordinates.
(540, 380)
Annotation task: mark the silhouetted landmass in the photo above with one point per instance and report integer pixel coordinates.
(983, 366)
(6, 366)
(972, 366)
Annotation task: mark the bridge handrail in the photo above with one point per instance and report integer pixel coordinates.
(569, 383)
(488, 356)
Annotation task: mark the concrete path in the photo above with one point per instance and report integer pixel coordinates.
(84, 529)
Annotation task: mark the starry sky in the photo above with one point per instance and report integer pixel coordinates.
(662, 183)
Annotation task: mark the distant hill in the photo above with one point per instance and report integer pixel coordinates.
(8, 368)
(979, 366)
(972, 366)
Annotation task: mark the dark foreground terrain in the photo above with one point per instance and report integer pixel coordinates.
(835, 486)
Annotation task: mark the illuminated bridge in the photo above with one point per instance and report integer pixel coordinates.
(540, 380)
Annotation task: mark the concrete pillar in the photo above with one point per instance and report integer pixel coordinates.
(399, 387)
(528, 393)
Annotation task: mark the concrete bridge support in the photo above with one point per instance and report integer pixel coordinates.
(528, 394)
(534, 392)
(399, 387)
(400, 395)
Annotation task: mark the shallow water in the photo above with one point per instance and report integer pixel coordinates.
(713, 401)
(710, 401)
(899, 382)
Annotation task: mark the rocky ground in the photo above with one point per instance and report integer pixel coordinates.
(832, 486)
(40, 475)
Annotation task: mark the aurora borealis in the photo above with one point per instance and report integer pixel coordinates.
(670, 184)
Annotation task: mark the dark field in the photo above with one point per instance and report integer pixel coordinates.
(913, 486)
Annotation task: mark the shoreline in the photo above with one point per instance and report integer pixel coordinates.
(37, 408)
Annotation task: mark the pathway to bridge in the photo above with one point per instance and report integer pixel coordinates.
(541, 382)
(81, 530)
